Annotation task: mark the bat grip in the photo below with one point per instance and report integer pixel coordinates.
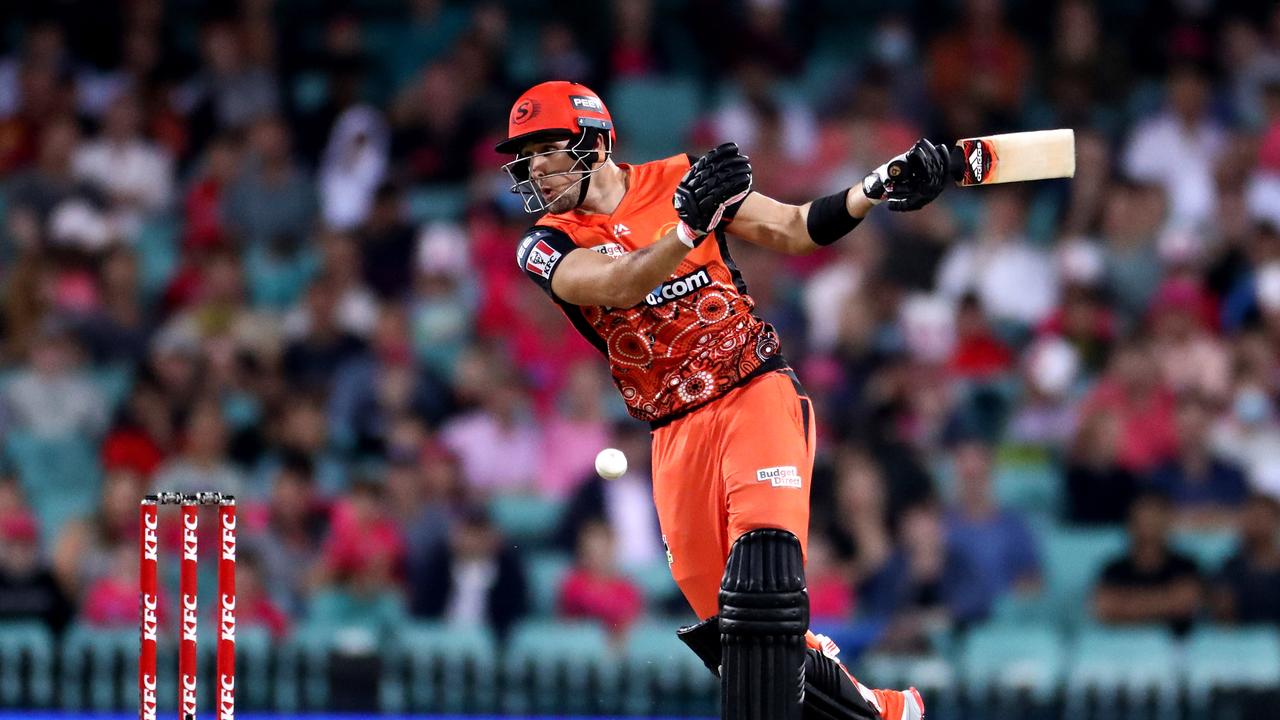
(956, 166)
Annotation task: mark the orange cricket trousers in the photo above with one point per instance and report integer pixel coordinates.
(742, 462)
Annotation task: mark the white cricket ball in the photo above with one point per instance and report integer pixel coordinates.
(611, 463)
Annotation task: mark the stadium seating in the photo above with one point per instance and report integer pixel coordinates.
(440, 667)
(60, 476)
(661, 672)
(526, 519)
(997, 657)
(26, 657)
(1124, 661)
(546, 572)
(90, 659)
(654, 116)
(1073, 559)
(1209, 548)
(1236, 658)
(558, 667)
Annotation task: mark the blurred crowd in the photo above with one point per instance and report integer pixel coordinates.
(283, 225)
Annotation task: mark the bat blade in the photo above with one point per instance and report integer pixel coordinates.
(1016, 157)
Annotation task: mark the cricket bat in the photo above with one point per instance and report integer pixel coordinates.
(1012, 157)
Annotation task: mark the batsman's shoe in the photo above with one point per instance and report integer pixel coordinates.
(891, 704)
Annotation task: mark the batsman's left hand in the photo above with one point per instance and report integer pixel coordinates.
(911, 180)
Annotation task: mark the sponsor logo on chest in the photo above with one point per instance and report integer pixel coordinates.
(678, 288)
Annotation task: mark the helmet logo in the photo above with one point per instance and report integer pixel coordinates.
(525, 111)
(586, 102)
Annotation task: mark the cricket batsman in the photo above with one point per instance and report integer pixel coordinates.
(636, 258)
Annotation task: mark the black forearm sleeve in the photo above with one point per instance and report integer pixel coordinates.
(829, 219)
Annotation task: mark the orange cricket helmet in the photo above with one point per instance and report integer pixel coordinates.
(555, 110)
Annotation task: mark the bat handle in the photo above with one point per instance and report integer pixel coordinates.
(957, 163)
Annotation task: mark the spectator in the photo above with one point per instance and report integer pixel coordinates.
(442, 497)
(831, 598)
(1014, 281)
(287, 533)
(229, 92)
(322, 345)
(594, 588)
(387, 243)
(1151, 582)
(373, 388)
(364, 539)
(206, 226)
(624, 504)
(498, 431)
(978, 353)
(111, 601)
(1249, 435)
(1133, 216)
(28, 589)
(135, 174)
(1203, 487)
(858, 523)
(254, 605)
(354, 164)
(997, 543)
(1100, 489)
(444, 299)
(118, 329)
(1132, 389)
(479, 580)
(1248, 588)
(82, 553)
(1190, 357)
(272, 197)
(1046, 417)
(302, 431)
(201, 461)
(50, 398)
(355, 305)
(925, 587)
(982, 63)
(35, 193)
(575, 433)
(1187, 176)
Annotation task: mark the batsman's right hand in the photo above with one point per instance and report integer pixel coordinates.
(911, 180)
(713, 188)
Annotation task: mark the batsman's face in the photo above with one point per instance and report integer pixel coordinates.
(551, 170)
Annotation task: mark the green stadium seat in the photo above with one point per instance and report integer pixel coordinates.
(91, 658)
(546, 572)
(655, 581)
(1030, 487)
(436, 202)
(1231, 658)
(1073, 559)
(28, 644)
(1124, 660)
(437, 667)
(526, 519)
(654, 116)
(59, 475)
(1000, 656)
(559, 667)
(659, 666)
(1209, 548)
(114, 382)
(157, 252)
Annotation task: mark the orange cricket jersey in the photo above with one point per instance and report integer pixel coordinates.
(694, 337)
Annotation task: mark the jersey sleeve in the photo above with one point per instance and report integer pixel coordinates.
(540, 252)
